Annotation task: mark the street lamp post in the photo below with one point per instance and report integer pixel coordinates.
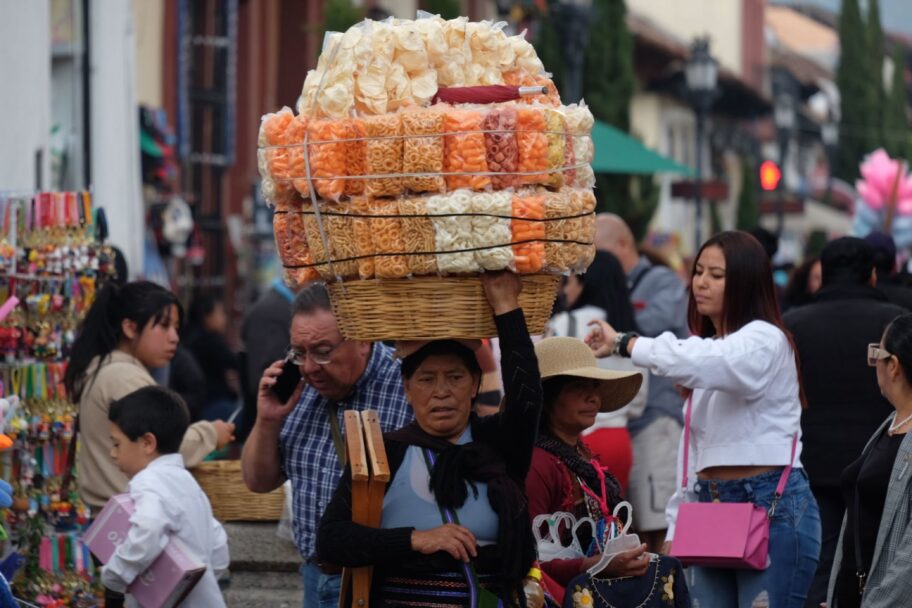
(784, 117)
(701, 73)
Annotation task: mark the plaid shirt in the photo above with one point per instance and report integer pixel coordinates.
(308, 454)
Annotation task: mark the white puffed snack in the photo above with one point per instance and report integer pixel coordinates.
(490, 230)
(453, 231)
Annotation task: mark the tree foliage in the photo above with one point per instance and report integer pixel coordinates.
(548, 47)
(748, 203)
(339, 15)
(448, 9)
(876, 92)
(895, 119)
(608, 88)
(609, 77)
(853, 80)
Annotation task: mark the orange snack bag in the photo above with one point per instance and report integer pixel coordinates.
(384, 154)
(297, 278)
(569, 158)
(273, 162)
(386, 234)
(423, 154)
(556, 145)
(291, 243)
(419, 235)
(327, 160)
(500, 146)
(584, 200)
(337, 226)
(533, 145)
(464, 150)
(294, 137)
(528, 236)
(355, 156)
(364, 245)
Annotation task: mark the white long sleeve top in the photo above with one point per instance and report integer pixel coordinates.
(746, 403)
(168, 502)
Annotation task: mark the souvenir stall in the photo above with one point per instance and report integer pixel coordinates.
(51, 266)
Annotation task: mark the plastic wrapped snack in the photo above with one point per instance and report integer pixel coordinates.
(273, 158)
(295, 135)
(562, 212)
(453, 230)
(556, 145)
(297, 278)
(355, 156)
(492, 230)
(423, 154)
(337, 225)
(364, 245)
(386, 235)
(500, 146)
(583, 152)
(384, 154)
(419, 236)
(528, 234)
(465, 152)
(569, 160)
(579, 121)
(533, 145)
(327, 157)
(584, 200)
(291, 243)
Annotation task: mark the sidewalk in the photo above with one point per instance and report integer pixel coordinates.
(264, 568)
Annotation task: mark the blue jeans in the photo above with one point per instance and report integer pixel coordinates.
(320, 590)
(794, 546)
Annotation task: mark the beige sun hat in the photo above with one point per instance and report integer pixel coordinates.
(571, 357)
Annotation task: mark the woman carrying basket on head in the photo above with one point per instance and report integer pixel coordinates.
(744, 413)
(454, 511)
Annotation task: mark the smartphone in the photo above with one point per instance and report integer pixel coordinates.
(287, 382)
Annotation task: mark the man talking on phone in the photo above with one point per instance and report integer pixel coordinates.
(297, 434)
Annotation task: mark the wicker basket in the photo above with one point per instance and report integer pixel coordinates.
(231, 500)
(430, 308)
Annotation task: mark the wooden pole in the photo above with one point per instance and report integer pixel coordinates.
(894, 196)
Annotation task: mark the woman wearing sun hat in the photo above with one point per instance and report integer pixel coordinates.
(564, 476)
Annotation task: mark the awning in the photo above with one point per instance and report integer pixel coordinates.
(617, 152)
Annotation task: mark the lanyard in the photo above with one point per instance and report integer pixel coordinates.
(603, 499)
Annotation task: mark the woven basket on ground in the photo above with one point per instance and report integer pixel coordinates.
(231, 500)
(429, 308)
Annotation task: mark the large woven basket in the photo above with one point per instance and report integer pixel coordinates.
(231, 500)
(430, 308)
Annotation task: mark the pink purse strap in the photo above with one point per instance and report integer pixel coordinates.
(783, 479)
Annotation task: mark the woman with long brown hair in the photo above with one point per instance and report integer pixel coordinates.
(740, 372)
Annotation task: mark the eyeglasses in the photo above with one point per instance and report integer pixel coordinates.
(322, 355)
(876, 353)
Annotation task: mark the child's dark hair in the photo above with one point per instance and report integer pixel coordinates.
(101, 331)
(897, 341)
(156, 410)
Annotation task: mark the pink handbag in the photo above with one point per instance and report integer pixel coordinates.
(724, 534)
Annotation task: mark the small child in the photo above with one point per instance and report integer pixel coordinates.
(147, 427)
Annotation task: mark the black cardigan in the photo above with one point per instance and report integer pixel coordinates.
(511, 432)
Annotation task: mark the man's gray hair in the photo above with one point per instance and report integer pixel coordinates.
(311, 299)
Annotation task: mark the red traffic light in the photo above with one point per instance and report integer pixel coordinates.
(769, 175)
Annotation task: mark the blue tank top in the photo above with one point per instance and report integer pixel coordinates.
(409, 502)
